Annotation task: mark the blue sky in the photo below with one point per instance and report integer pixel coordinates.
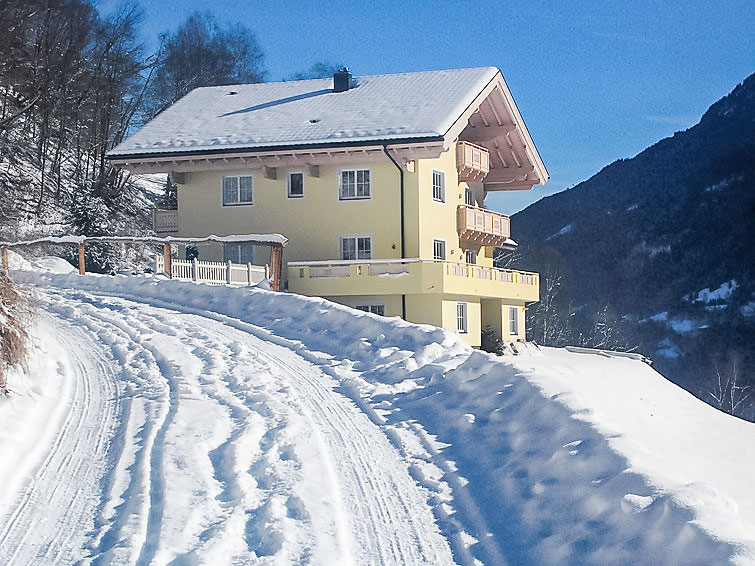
(594, 81)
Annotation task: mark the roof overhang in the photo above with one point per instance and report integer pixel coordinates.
(493, 121)
(280, 156)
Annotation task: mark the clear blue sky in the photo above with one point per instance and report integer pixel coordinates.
(594, 81)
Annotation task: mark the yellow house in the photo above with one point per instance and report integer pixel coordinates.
(378, 182)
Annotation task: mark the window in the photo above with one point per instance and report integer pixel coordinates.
(470, 256)
(513, 321)
(238, 253)
(296, 185)
(237, 190)
(356, 247)
(439, 186)
(374, 309)
(439, 250)
(469, 197)
(461, 317)
(355, 184)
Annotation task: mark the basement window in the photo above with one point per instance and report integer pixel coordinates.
(513, 321)
(374, 309)
(238, 253)
(461, 317)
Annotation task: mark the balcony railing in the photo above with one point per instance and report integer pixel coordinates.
(164, 222)
(472, 162)
(483, 227)
(409, 276)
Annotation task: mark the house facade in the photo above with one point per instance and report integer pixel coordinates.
(378, 183)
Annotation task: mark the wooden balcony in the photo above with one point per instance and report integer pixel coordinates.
(483, 227)
(165, 222)
(472, 162)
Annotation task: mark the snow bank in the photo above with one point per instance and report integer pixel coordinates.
(552, 457)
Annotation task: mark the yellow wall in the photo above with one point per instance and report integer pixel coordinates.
(312, 224)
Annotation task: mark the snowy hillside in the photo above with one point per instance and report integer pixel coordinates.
(166, 422)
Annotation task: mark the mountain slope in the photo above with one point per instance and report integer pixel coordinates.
(647, 235)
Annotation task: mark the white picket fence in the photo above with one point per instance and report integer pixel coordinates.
(214, 272)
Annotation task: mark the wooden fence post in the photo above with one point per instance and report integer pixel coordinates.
(168, 261)
(82, 264)
(276, 261)
(194, 269)
(248, 273)
(228, 272)
(5, 258)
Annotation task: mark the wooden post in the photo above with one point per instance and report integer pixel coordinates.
(5, 258)
(168, 261)
(81, 259)
(276, 261)
(248, 273)
(194, 269)
(228, 272)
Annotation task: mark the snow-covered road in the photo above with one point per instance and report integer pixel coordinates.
(184, 440)
(170, 423)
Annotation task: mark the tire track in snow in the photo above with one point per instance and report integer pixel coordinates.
(50, 519)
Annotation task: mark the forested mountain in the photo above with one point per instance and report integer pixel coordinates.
(661, 248)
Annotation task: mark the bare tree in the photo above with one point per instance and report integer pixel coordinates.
(728, 391)
(546, 319)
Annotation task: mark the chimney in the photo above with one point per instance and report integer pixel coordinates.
(341, 80)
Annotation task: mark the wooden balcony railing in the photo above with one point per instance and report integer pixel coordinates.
(483, 227)
(165, 221)
(472, 161)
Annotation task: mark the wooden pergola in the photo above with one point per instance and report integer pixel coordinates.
(276, 242)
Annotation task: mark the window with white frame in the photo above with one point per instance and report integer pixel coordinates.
(461, 317)
(470, 256)
(439, 186)
(374, 309)
(354, 184)
(238, 253)
(356, 247)
(296, 184)
(469, 197)
(513, 321)
(439, 250)
(237, 190)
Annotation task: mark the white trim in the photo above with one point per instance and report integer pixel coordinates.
(445, 249)
(513, 321)
(356, 238)
(238, 176)
(462, 317)
(288, 184)
(355, 170)
(442, 174)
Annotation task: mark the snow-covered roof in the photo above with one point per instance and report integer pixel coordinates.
(408, 106)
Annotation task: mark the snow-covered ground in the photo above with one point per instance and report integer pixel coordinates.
(166, 422)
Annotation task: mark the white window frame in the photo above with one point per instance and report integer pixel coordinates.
(378, 309)
(443, 246)
(469, 199)
(513, 321)
(288, 185)
(439, 189)
(470, 255)
(462, 317)
(237, 255)
(238, 201)
(356, 172)
(356, 238)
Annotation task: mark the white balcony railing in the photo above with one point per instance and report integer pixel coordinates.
(472, 162)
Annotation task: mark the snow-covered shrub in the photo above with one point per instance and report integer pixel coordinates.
(15, 315)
